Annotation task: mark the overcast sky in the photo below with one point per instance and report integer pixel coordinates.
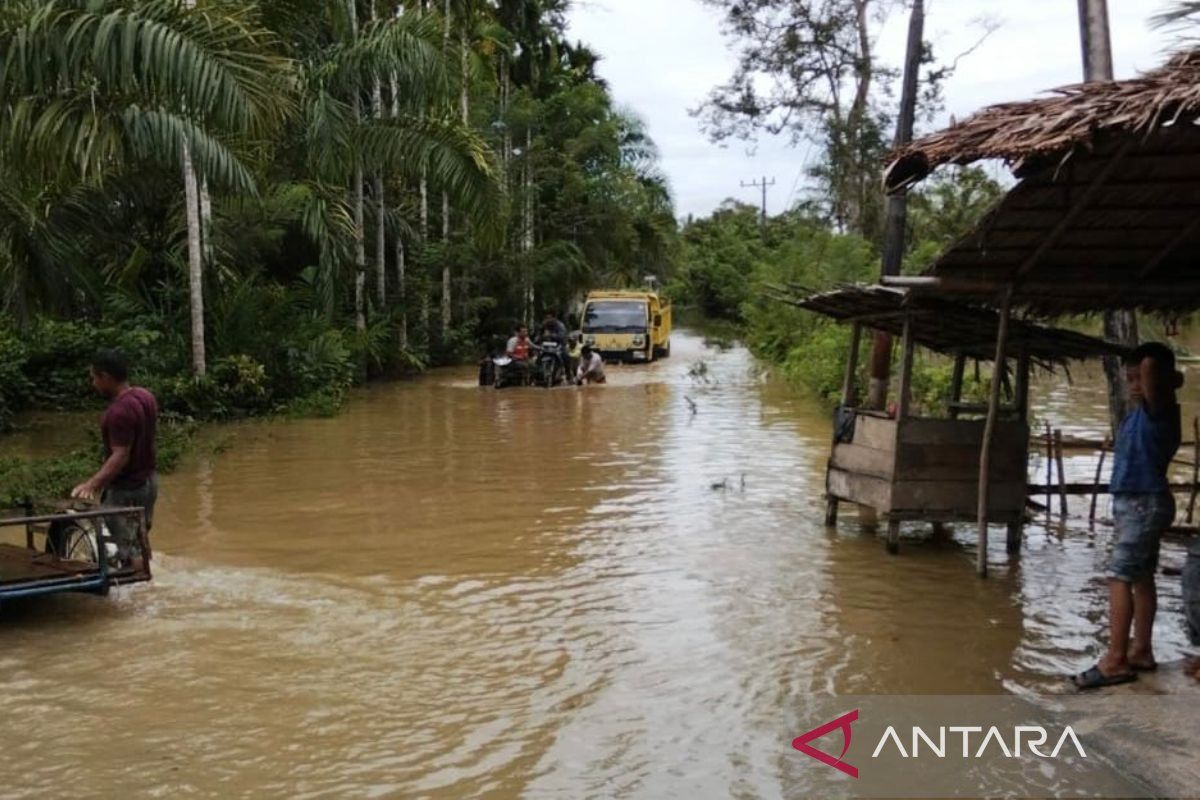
(661, 57)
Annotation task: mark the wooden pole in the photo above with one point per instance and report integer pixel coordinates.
(956, 383)
(989, 432)
(1062, 475)
(1022, 392)
(1099, 475)
(1049, 469)
(1195, 468)
(896, 214)
(849, 390)
(907, 346)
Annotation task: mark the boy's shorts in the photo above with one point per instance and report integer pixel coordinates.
(1140, 521)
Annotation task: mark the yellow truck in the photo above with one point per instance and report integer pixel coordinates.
(628, 325)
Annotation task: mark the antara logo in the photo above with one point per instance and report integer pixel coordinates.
(843, 722)
(1032, 737)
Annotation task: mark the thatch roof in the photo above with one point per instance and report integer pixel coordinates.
(1107, 212)
(1031, 133)
(945, 325)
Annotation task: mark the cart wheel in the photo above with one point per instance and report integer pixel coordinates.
(72, 542)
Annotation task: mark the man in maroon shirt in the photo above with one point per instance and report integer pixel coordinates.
(127, 476)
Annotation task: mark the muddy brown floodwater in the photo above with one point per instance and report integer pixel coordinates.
(452, 592)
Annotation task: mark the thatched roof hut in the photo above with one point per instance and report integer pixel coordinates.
(1033, 134)
(1107, 211)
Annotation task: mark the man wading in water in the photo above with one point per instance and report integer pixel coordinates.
(128, 429)
(1143, 508)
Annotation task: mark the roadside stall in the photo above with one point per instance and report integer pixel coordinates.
(1105, 216)
(912, 464)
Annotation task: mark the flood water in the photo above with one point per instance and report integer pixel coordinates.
(453, 592)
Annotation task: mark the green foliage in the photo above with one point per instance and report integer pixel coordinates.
(45, 480)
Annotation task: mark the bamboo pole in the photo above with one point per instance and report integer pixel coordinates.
(1195, 468)
(1062, 474)
(989, 432)
(1099, 475)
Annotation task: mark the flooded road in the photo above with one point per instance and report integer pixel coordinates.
(452, 592)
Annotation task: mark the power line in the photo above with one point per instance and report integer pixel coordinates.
(764, 185)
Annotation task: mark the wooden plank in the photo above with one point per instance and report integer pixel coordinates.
(1006, 497)
(863, 460)
(875, 432)
(956, 383)
(924, 431)
(1009, 454)
(862, 489)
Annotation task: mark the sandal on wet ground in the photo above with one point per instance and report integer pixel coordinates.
(1151, 666)
(1093, 678)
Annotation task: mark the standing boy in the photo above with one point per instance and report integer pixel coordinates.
(1143, 508)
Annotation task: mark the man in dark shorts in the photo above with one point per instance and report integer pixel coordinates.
(128, 475)
(1143, 509)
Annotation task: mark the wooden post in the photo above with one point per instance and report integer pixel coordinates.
(903, 406)
(1049, 470)
(1062, 475)
(849, 391)
(1195, 468)
(989, 431)
(893, 536)
(1022, 391)
(1099, 474)
(904, 402)
(956, 383)
(1013, 541)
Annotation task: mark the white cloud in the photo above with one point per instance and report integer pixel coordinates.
(663, 56)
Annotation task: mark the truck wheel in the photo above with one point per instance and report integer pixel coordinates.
(664, 351)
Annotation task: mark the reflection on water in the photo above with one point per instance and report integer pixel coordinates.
(455, 592)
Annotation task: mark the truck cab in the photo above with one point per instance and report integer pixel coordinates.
(627, 325)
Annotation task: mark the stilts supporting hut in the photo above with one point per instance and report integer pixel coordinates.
(927, 466)
(1105, 214)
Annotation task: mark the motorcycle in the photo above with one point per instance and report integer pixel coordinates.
(507, 372)
(550, 364)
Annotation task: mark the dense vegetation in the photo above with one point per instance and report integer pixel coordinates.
(264, 202)
(729, 259)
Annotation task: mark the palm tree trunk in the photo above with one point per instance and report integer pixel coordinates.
(377, 192)
(360, 245)
(191, 198)
(446, 276)
(528, 225)
(206, 223)
(401, 278)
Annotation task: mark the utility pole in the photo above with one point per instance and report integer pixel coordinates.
(764, 186)
(897, 204)
(1119, 326)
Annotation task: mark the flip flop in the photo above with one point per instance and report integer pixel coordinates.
(1151, 667)
(1093, 678)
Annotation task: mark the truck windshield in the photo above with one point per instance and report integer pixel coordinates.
(621, 316)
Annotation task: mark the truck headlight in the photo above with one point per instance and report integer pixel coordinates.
(639, 341)
(589, 340)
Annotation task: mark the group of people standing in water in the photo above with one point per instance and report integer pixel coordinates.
(584, 363)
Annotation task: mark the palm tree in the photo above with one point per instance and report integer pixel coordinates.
(97, 88)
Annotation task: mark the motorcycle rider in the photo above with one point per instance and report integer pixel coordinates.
(553, 330)
(520, 350)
